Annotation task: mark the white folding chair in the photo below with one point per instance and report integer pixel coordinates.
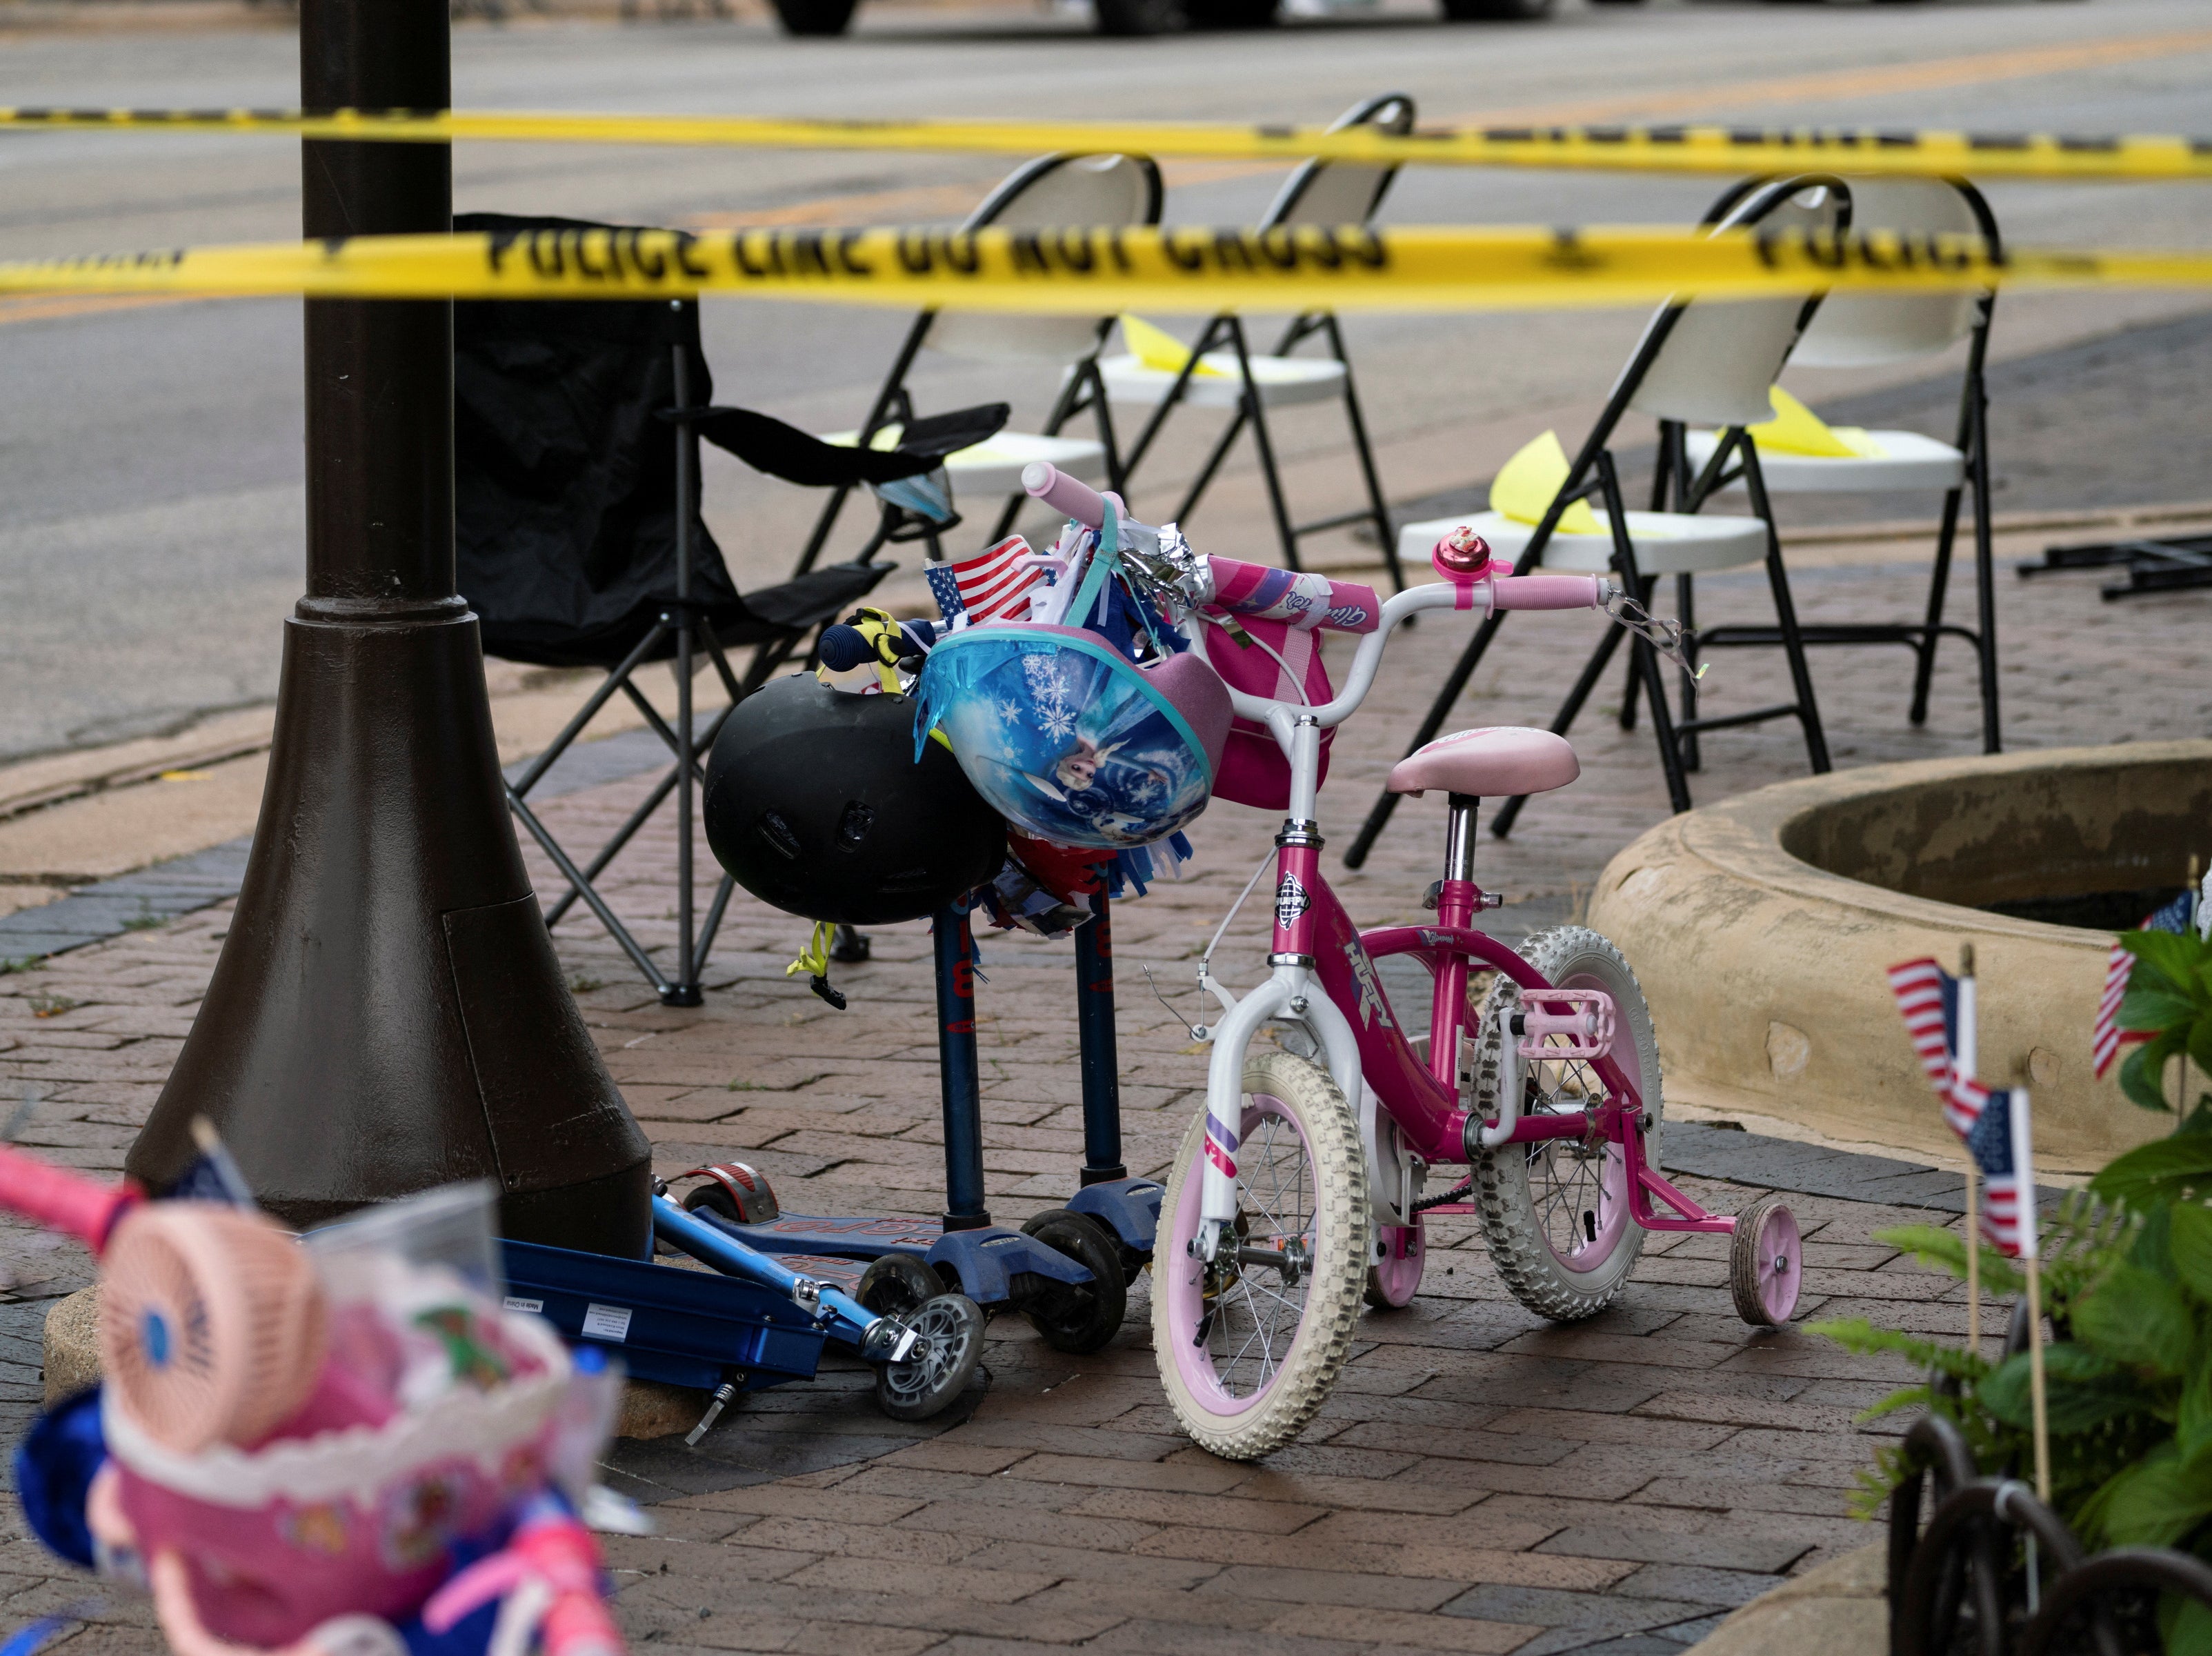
(1047, 193)
(1320, 193)
(1866, 329)
(1699, 362)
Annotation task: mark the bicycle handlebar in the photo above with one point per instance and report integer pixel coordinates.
(1488, 594)
(1546, 592)
(1069, 496)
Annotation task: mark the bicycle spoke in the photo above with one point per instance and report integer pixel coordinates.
(1256, 1319)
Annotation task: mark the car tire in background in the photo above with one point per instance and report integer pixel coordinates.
(1487, 11)
(815, 16)
(1232, 14)
(1135, 17)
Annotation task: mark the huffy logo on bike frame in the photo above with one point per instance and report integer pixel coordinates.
(1290, 901)
(1372, 1006)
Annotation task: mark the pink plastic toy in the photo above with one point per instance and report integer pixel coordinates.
(296, 1437)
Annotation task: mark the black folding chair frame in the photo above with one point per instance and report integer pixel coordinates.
(1593, 472)
(1083, 390)
(1228, 330)
(1391, 112)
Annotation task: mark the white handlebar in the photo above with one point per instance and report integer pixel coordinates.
(1486, 596)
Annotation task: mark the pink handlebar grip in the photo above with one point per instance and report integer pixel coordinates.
(1064, 494)
(61, 1200)
(1548, 592)
(1305, 600)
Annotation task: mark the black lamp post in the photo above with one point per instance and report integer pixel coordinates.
(388, 1013)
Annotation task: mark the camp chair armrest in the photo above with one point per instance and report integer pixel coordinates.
(819, 596)
(767, 444)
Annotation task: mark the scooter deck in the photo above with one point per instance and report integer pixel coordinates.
(1129, 1208)
(985, 1262)
(694, 1328)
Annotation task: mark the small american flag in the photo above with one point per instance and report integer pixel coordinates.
(991, 585)
(2177, 916)
(2105, 1041)
(2002, 1148)
(1927, 996)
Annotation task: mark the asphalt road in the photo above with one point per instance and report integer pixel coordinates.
(150, 496)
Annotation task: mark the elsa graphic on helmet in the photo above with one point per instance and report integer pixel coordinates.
(1074, 774)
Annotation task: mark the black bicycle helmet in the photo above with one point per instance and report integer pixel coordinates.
(816, 804)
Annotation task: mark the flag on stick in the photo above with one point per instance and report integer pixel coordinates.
(2104, 1042)
(2182, 915)
(1999, 1145)
(1938, 1011)
(2004, 1149)
(1939, 1016)
(994, 584)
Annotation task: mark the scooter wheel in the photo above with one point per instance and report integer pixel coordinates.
(944, 1361)
(1766, 1264)
(896, 1284)
(714, 1199)
(1079, 1317)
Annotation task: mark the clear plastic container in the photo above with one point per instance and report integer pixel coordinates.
(455, 1226)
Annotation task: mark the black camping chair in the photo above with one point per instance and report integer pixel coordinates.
(577, 436)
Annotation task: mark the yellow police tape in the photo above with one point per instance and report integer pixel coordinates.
(1699, 148)
(1098, 270)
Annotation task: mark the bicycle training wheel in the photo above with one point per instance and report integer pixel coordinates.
(1249, 1347)
(1555, 1213)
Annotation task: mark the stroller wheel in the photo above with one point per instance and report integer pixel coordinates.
(897, 1283)
(1079, 1317)
(944, 1361)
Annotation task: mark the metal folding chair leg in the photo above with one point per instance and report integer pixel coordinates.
(1251, 411)
(1644, 658)
(1785, 612)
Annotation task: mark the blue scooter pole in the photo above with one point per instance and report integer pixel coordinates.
(1094, 1031)
(957, 1075)
(846, 1320)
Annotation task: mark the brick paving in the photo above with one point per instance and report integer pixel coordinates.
(1481, 1481)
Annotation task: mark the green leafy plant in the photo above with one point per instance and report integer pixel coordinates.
(2110, 1417)
(2127, 1283)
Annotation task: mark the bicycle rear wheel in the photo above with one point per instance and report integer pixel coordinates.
(1249, 1347)
(1555, 1213)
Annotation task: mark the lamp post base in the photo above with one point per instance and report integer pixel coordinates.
(388, 1013)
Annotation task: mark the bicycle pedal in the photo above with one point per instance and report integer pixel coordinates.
(1584, 1029)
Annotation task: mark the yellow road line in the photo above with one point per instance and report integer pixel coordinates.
(1674, 148)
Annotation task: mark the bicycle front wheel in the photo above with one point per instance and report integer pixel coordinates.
(1248, 1346)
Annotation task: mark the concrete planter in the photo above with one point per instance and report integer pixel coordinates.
(1761, 928)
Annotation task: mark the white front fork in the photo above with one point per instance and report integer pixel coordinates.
(1290, 993)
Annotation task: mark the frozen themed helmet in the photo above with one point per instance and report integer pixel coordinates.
(1070, 741)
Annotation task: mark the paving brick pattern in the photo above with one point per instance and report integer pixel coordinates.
(1481, 1481)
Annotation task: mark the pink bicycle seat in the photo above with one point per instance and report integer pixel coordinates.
(1495, 762)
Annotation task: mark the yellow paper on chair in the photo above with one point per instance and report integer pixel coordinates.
(1527, 484)
(1160, 350)
(1796, 430)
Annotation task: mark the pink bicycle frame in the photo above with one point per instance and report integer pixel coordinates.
(1424, 1100)
(1315, 944)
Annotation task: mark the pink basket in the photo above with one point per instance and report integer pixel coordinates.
(1253, 771)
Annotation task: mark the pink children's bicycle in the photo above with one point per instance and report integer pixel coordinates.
(1300, 1189)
